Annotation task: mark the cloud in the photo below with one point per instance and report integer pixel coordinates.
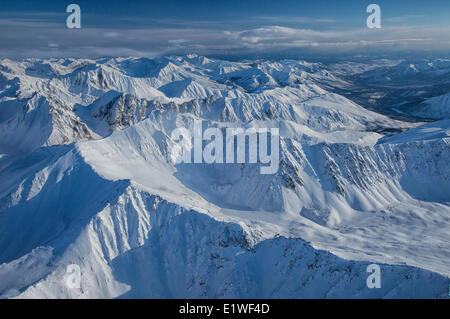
(29, 37)
(291, 20)
(406, 18)
(178, 42)
(111, 34)
(278, 37)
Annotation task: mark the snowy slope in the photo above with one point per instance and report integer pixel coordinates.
(87, 179)
(437, 107)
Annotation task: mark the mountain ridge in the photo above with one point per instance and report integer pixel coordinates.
(87, 179)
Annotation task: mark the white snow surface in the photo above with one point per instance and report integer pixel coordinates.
(437, 107)
(86, 179)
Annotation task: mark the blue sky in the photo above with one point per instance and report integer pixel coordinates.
(222, 28)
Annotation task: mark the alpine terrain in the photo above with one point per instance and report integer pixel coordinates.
(87, 179)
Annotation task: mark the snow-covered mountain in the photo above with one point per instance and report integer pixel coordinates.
(86, 178)
(437, 107)
(407, 88)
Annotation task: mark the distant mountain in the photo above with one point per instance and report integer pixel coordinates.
(404, 88)
(437, 107)
(86, 178)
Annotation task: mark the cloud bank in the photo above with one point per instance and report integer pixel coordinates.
(34, 36)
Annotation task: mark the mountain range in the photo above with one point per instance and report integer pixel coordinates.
(86, 178)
